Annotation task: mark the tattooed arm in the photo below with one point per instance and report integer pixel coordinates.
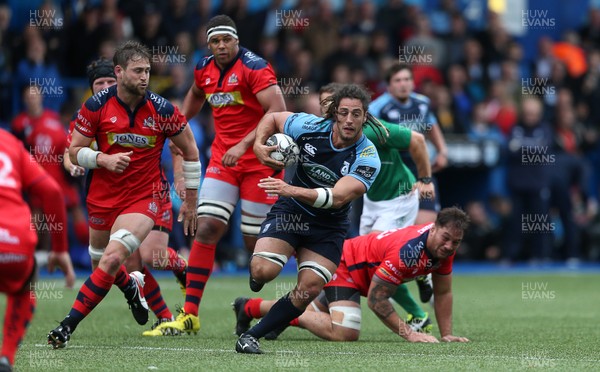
(379, 301)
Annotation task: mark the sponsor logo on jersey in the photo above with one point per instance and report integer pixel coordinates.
(251, 56)
(310, 149)
(207, 81)
(425, 228)
(345, 168)
(166, 216)
(131, 140)
(160, 102)
(391, 266)
(320, 174)
(225, 99)
(365, 171)
(368, 152)
(113, 119)
(387, 275)
(233, 80)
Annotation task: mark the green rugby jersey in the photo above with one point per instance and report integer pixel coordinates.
(394, 178)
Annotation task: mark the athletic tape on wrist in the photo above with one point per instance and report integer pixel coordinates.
(191, 174)
(86, 157)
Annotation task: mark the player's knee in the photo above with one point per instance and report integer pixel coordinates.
(265, 266)
(308, 290)
(126, 239)
(346, 322)
(319, 270)
(210, 230)
(111, 261)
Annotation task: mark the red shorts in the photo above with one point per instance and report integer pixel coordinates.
(102, 218)
(15, 270)
(164, 221)
(246, 176)
(342, 278)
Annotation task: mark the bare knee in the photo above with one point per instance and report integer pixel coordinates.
(110, 262)
(209, 230)
(263, 271)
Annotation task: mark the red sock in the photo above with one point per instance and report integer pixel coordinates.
(82, 232)
(200, 264)
(122, 278)
(90, 294)
(154, 297)
(295, 322)
(19, 311)
(252, 308)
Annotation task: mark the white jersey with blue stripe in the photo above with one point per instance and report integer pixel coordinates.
(321, 164)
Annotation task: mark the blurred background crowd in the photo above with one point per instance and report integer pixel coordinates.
(490, 69)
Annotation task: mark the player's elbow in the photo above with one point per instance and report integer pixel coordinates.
(417, 141)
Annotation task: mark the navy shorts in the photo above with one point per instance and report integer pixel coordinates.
(323, 235)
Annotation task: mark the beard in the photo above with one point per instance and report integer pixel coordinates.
(134, 89)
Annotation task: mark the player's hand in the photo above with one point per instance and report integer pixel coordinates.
(180, 189)
(451, 338)
(275, 186)
(426, 190)
(116, 162)
(440, 162)
(421, 337)
(233, 155)
(263, 154)
(63, 261)
(76, 170)
(187, 213)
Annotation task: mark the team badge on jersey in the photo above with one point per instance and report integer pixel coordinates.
(152, 207)
(233, 80)
(149, 122)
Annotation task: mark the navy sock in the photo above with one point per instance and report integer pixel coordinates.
(282, 312)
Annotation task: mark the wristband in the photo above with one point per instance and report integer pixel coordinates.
(86, 157)
(324, 198)
(191, 174)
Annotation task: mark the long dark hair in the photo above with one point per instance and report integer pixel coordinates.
(356, 92)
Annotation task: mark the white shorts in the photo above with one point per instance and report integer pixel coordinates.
(389, 214)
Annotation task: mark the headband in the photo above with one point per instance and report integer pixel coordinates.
(220, 30)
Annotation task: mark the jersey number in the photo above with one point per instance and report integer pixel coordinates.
(6, 167)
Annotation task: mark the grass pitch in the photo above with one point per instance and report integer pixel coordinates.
(520, 322)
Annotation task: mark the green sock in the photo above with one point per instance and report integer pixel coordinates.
(408, 303)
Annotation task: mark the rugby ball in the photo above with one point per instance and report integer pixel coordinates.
(287, 150)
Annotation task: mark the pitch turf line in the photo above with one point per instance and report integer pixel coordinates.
(296, 352)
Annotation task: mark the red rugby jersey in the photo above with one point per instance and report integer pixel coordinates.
(18, 173)
(395, 256)
(47, 142)
(23, 124)
(232, 96)
(116, 129)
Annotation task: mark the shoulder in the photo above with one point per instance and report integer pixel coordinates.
(365, 148)
(419, 98)
(98, 100)
(251, 60)
(160, 104)
(204, 62)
